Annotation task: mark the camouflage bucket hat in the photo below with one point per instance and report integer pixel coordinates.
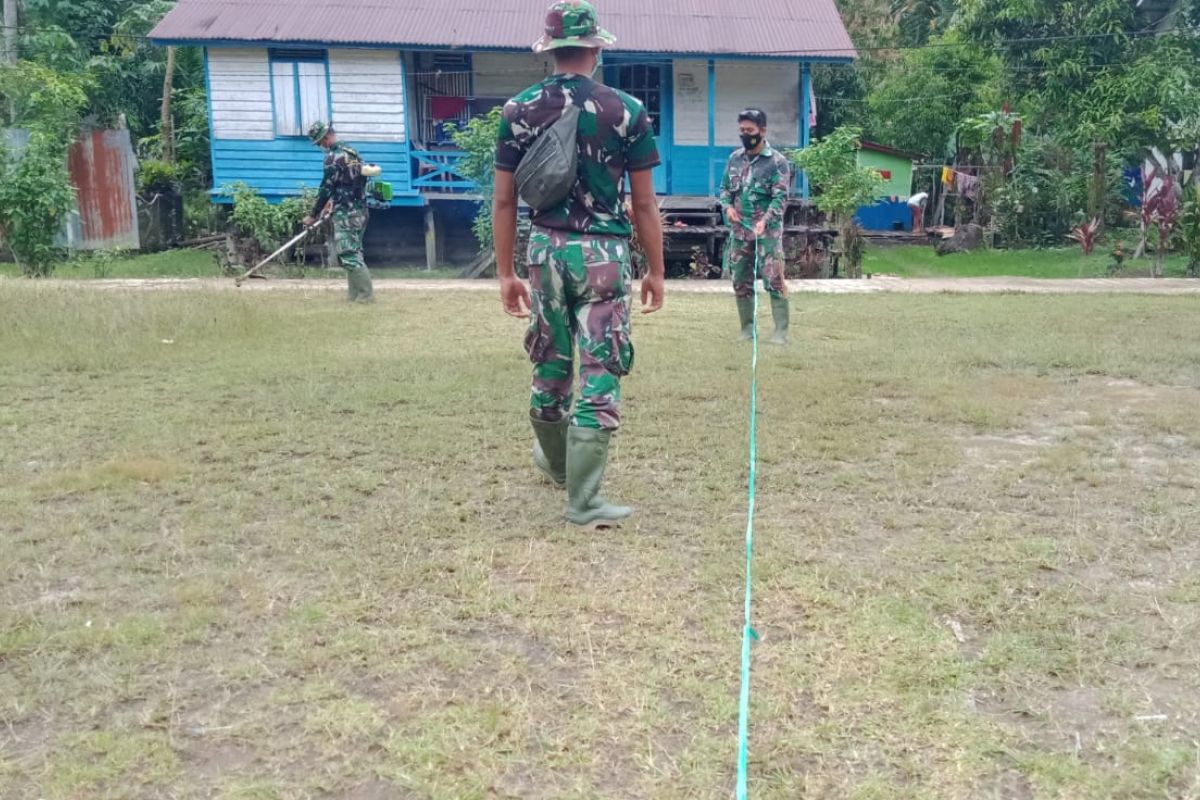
(573, 23)
(319, 131)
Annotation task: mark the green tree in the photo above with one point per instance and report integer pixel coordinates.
(841, 91)
(35, 187)
(1089, 71)
(42, 99)
(870, 23)
(478, 143)
(1188, 232)
(919, 21)
(918, 104)
(106, 41)
(841, 186)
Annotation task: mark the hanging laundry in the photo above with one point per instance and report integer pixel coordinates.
(447, 107)
(947, 177)
(968, 185)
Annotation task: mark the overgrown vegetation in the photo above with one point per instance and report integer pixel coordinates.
(1095, 84)
(103, 42)
(158, 177)
(270, 225)
(478, 142)
(91, 59)
(1188, 231)
(842, 188)
(35, 188)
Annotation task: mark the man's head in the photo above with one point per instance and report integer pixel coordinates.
(322, 135)
(752, 124)
(573, 34)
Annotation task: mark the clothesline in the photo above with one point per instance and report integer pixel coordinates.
(941, 165)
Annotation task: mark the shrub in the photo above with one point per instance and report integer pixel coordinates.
(158, 177)
(269, 225)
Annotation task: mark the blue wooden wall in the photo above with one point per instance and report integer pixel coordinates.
(691, 168)
(282, 167)
(285, 166)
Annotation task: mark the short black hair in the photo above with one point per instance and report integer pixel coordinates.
(755, 115)
(570, 53)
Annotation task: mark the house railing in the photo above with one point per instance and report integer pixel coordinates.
(437, 171)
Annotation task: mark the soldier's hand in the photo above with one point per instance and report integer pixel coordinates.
(309, 221)
(653, 294)
(735, 216)
(760, 228)
(515, 296)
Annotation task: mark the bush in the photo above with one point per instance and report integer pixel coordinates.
(478, 141)
(842, 187)
(269, 225)
(35, 198)
(100, 262)
(1188, 232)
(35, 186)
(193, 160)
(201, 215)
(1044, 196)
(158, 177)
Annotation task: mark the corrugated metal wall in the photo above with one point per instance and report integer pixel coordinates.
(102, 167)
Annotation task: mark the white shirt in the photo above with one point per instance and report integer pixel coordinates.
(918, 200)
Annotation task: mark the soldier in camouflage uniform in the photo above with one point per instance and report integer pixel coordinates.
(345, 187)
(579, 258)
(753, 195)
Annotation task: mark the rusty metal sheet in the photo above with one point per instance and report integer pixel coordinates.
(101, 164)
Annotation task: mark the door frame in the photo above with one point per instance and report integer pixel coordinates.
(666, 133)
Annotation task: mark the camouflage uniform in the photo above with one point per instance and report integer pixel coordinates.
(579, 266)
(579, 252)
(757, 186)
(345, 186)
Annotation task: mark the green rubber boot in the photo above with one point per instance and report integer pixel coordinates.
(362, 290)
(746, 315)
(550, 450)
(781, 311)
(587, 456)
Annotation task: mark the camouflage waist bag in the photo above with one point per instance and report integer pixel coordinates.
(549, 169)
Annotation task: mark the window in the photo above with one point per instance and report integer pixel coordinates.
(645, 82)
(300, 86)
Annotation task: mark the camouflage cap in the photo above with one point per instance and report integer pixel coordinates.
(573, 23)
(319, 131)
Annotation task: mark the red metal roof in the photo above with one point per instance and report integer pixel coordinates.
(720, 27)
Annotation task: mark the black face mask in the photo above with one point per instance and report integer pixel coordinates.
(751, 140)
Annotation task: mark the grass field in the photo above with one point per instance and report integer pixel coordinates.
(188, 264)
(264, 547)
(922, 262)
(905, 261)
(170, 264)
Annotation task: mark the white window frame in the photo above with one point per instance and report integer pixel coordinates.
(300, 92)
